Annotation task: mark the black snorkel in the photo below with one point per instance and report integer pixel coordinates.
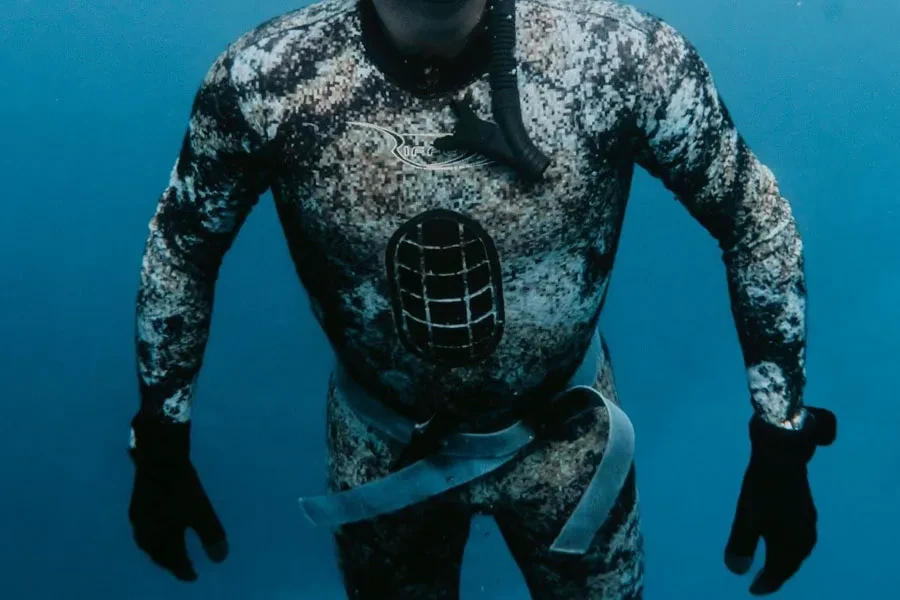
(506, 105)
(506, 141)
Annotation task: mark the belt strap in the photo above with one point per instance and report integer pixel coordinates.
(602, 492)
(465, 457)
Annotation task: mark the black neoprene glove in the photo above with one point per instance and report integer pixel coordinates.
(776, 503)
(168, 498)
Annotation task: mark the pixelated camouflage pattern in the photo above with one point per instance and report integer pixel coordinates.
(604, 87)
(417, 553)
(296, 107)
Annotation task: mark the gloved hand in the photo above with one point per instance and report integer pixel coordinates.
(775, 503)
(168, 498)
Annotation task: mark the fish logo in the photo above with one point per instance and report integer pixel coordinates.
(417, 150)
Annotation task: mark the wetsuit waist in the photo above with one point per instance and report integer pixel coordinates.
(483, 412)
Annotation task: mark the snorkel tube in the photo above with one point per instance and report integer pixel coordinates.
(505, 100)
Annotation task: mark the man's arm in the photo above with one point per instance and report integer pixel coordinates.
(217, 179)
(690, 143)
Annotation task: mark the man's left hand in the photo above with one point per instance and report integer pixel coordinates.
(776, 503)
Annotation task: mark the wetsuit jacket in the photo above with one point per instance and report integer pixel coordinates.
(441, 274)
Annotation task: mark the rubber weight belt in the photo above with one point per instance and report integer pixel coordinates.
(464, 457)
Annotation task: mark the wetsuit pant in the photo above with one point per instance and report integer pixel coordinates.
(416, 553)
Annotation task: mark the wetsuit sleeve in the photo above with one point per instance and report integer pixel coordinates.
(216, 180)
(689, 142)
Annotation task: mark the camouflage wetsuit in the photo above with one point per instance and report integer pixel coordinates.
(441, 276)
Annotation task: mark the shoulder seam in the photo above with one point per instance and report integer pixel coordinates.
(597, 14)
(281, 31)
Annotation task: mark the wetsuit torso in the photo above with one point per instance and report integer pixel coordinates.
(442, 275)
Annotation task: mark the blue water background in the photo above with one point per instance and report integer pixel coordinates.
(93, 103)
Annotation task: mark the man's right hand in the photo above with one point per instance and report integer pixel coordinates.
(168, 499)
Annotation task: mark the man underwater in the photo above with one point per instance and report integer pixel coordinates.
(451, 177)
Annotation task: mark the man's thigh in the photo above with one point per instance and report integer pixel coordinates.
(611, 569)
(413, 554)
(536, 496)
(416, 554)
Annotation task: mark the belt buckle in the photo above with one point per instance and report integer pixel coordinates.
(420, 429)
(425, 439)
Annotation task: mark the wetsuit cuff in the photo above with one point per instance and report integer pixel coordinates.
(154, 441)
(778, 446)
